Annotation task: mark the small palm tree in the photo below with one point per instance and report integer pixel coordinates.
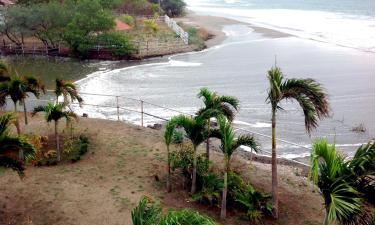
(196, 131)
(228, 145)
(9, 144)
(168, 136)
(341, 180)
(68, 90)
(18, 89)
(55, 112)
(225, 105)
(313, 101)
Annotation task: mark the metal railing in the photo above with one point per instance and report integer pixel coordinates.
(137, 106)
(177, 29)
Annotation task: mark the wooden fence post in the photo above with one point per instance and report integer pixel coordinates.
(142, 112)
(118, 108)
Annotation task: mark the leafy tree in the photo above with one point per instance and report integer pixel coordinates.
(228, 145)
(225, 105)
(168, 137)
(118, 42)
(9, 144)
(196, 131)
(55, 112)
(147, 213)
(313, 101)
(4, 73)
(18, 89)
(89, 19)
(173, 7)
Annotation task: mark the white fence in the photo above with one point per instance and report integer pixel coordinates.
(177, 29)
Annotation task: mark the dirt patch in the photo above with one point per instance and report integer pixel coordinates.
(119, 168)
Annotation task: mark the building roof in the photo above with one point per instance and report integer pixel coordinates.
(121, 26)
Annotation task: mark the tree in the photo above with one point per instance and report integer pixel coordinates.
(18, 89)
(340, 182)
(9, 145)
(228, 145)
(225, 105)
(196, 131)
(168, 136)
(68, 90)
(173, 7)
(4, 72)
(55, 112)
(313, 101)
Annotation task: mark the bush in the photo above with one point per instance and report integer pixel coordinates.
(211, 189)
(128, 19)
(178, 137)
(173, 7)
(119, 43)
(151, 25)
(183, 160)
(75, 148)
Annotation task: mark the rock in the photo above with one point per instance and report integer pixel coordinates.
(156, 126)
(85, 115)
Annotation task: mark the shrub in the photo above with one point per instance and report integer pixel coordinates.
(211, 189)
(183, 160)
(173, 7)
(75, 148)
(151, 25)
(178, 137)
(196, 38)
(119, 43)
(128, 19)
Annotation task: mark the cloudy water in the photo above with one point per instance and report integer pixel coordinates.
(238, 67)
(348, 23)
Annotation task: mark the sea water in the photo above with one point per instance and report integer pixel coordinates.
(349, 23)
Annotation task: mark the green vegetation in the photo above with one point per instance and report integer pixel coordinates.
(173, 7)
(55, 112)
(310, 96)
(9, 146)
(68, 90)
(148, 213)
(128, 19)
(344, 184)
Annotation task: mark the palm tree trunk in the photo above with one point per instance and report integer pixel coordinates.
(25, 112)
(194, 180)
(57, 142)
(169, 189)
(17, 123)
(326, 222)
(223, 212)
(18, 127)
(275, 195)
(208, 140)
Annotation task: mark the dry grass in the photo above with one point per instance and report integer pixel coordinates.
(119, 168)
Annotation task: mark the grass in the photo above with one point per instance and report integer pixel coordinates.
(103, 187)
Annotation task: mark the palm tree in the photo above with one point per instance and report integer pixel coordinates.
(55, 112)
(340, 180)
(225, 105)
(68, 90)
(196, 131)
(313, 101)
(9, 144)
(168, 136)
(228, 145)
(18, 89)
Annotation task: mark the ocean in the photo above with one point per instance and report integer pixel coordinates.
(349, 23)
(330, 41)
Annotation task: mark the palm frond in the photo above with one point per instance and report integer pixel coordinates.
(5, 121)
(311, 97)
(169, 131)
(13, 164)
(247, 140)
(186, 217)
(14, 144)
(230, 100)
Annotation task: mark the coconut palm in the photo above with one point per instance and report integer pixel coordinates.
(9, 145)
(196, 131)
(168, 136)
(68, 90)
(18, 89)
(228, 145)
(55, 112)
(313, 101)
(226, 105)
(340, 181)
